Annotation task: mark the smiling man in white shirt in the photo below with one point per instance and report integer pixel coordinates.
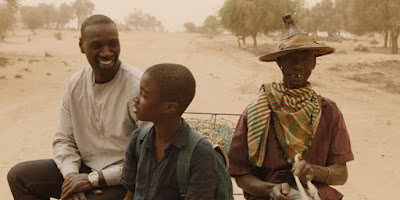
(94, 129)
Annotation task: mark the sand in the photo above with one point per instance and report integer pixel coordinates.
(365, 85)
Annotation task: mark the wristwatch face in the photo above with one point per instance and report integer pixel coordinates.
(93, 176)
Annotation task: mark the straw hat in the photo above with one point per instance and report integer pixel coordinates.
(296, 40)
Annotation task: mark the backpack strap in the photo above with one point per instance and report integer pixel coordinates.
(184, 159)
(139, 146)
(222, 155)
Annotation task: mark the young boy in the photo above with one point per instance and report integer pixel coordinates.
(166, 90)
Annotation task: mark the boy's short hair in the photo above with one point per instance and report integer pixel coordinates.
(94, 20)
(176, 83)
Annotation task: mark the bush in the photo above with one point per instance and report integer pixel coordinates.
(361, 48)
(47, 54)
(58, 35)
(374, 42)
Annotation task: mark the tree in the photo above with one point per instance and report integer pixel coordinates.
(32, 18)
(48, 13)
(13, 3)
(251, 17)
(138, 20)
(232, 18)
(82, 9)
(377, 16)
(189, 27)
(7, 20)
(210, 26)
(64, 15)
(324, 16)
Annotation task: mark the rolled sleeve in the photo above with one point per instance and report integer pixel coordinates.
(129, 169)
(238, 152)
(111, 174)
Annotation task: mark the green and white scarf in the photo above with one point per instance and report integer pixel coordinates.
(295, 113)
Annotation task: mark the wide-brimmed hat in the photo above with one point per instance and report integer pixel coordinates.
(296, 40)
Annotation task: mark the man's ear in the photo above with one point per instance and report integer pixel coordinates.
(81, 45)
(171, 107)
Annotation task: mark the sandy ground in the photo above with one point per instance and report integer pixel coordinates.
(365, 85)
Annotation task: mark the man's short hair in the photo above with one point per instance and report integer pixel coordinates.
(175, 82)
(94, 20)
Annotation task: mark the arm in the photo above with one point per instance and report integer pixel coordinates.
(254, 185)
(337, 175)
(129, 169)
(66, 153)
(129, 195)
(204, 172)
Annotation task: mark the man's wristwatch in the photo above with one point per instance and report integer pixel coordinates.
(94, 178)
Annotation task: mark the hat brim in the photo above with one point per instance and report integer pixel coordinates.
(320, 49)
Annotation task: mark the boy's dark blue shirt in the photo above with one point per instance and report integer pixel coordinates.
(151, 180)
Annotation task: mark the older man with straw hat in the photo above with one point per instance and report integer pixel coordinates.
(287, 119)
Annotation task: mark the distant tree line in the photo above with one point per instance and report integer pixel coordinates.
(138, 20)
(210, 28)
(49, 16)
(244, 18)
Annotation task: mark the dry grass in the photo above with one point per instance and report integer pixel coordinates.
(392, 87)
(33, 60)
(47, 54)
(26, 70)
(18, 76)
(4, 61)
(381, 75)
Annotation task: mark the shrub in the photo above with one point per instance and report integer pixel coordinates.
(47, 54)
(58, 35)
(374, 42)
(361, 48)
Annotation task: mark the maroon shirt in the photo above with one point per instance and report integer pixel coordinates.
(331, 145)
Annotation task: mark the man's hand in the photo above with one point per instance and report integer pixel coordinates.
(280, 192)
(78, 196)
(304, 171)
(75, 185)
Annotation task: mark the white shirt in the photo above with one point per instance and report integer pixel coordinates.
(96, 122)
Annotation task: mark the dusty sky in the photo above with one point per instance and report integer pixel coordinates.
(172, 13)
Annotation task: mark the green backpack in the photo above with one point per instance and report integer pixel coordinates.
(224, 188)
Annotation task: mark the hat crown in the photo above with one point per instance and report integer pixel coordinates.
(296, 39)
(291, 28)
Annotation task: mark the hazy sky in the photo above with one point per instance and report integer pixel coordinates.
(172, 13)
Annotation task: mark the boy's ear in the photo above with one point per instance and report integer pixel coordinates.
(171, 107)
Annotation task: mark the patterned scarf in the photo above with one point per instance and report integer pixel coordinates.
(295, 113)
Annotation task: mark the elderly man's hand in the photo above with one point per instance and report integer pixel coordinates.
(280, 192)
(75, 185)
(304, 171)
